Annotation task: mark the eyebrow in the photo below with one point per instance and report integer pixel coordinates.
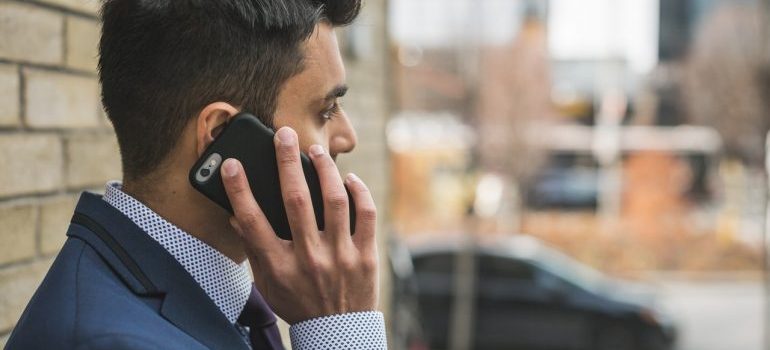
(337, 92)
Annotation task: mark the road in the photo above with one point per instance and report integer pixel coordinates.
(715, 315)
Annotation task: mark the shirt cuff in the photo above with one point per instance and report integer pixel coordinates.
(355, 330)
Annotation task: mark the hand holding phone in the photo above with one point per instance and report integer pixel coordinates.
(320, 273)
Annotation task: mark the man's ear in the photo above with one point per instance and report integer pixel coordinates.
(210, 122)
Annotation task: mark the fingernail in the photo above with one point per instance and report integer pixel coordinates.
(317, 150)
(285, 136)
(353, 178)
(229, 167)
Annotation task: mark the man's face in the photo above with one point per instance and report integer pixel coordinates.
(309, 102)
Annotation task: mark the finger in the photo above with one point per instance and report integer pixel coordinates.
(296, 196)
(251, 223)
(336, 210)
(366, 213)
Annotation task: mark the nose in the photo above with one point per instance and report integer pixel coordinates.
(343, 137)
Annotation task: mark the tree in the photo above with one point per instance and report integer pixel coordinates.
(723, 82)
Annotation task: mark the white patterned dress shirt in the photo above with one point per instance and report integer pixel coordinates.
(228, 284)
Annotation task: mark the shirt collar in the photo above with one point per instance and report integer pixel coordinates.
(227, 284)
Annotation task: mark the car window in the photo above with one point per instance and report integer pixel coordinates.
(504, 268)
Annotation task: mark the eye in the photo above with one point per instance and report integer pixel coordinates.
(331, 111)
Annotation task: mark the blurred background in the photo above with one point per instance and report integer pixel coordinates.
(582, 174)
(550, 174)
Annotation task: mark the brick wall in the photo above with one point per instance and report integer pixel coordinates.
(56, 142)
(54, 138)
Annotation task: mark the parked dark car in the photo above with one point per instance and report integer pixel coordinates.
(529, 296)
(405, 328)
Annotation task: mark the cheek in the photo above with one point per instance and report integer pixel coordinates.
(312, 136)
(309, 130)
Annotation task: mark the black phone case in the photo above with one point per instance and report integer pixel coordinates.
(247, 139)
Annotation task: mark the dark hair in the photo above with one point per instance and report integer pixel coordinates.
(162, 61)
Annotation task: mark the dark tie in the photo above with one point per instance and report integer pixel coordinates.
(257, 315)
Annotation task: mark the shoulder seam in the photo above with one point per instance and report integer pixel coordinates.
(94, 227)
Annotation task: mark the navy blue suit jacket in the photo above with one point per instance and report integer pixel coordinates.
(113, 287)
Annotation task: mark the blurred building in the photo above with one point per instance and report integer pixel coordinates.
(485, 66)
(652, 160)
(577, 102)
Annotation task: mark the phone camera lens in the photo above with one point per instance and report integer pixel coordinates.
(205, 172)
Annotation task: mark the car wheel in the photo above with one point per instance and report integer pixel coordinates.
(614, 337)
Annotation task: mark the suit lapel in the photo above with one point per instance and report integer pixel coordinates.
(123, 244)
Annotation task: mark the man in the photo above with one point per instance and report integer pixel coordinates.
(155, 265)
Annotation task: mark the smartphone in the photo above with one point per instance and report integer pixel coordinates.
(248, 140)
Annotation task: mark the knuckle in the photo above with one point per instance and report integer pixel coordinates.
(322, 161)
(233, 185)
(287, 156)
(240, 190)
(315, 266)
(296, 199)
(361, 189)
(327, 163)
(337, 201)
(368, 213)
(236, 187)
(249, 220)
(369, 264)
(346, 263)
